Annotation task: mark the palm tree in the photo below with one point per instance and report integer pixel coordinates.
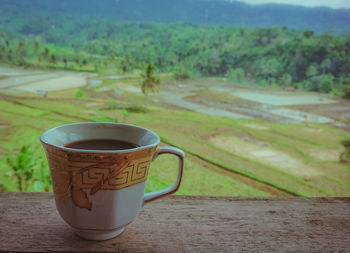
(150, 82)
(53, 59)
(46, 54)
(36, 47)
(21, 53)
(9, 55)
(65, 62)
(2, 52)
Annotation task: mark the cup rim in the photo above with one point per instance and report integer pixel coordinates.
(100, 151)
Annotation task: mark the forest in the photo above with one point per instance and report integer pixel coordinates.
(58, 38)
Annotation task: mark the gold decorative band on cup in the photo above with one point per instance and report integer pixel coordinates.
(111, 177)
(73, 172)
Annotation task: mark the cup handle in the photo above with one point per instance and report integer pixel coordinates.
(173, 188)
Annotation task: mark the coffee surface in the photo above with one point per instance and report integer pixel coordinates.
(101, 144)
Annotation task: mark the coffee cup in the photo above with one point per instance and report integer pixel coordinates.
(99, 172)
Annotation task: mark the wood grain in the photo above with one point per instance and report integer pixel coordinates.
(30, 222)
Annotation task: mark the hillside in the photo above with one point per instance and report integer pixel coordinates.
(218, 12)
(244, 153)
(274, 56)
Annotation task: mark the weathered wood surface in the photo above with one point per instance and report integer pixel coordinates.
(30, 222)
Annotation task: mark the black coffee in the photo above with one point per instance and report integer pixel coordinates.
(101, 144)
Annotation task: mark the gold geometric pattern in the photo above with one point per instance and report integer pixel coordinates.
(74, 172)
(132, 174)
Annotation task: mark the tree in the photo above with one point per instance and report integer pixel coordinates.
(308, 33)
(321, 83)
(326, 83)
(270, 68)
(123, 66)
(36, 47)
(286, 79)
(46, 54)
(311, 71)
(39, 62)
(77, 62)
(325, 65)
(2, 52)
(21, 53)
(53, 59)
(65, 62)
(346, 91)
(150, 82)
(9, 55)
(20, 48)
(181, 72)
(237, 74)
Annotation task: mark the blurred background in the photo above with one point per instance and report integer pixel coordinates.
(256, 92)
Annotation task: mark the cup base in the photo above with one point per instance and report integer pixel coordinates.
(98, 235)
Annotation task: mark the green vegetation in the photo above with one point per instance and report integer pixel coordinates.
(79, 94)
(345, 155)
(24, 129)
(31, 172)
(149, 82)
(275, 56)
(23, 167)
(225, 156)
(214, 146)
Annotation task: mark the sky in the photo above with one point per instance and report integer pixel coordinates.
(336, 4)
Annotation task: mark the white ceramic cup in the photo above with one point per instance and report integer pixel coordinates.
(99, 192)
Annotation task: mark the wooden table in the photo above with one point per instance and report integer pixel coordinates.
(30, 222)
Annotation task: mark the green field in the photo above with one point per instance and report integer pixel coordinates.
(225, 156)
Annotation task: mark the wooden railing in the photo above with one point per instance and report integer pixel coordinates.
(30, 222)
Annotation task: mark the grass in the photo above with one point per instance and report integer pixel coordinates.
(24, 119)
(24, 129)
(194, 134)
(197, 180)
